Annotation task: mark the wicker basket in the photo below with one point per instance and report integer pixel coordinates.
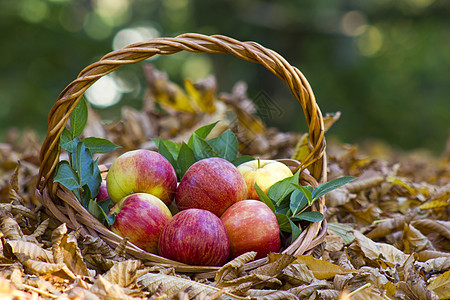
(63, 205)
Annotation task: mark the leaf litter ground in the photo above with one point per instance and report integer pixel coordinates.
(388, 231)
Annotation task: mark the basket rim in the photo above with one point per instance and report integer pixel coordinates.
(50, 193)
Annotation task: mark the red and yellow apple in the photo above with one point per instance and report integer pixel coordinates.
(141, 171)
(196, 237)
(102, 192)
(251, 226)
(141, 217)
(264, 172)
(212, 184)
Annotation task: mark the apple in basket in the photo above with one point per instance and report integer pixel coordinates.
(141, 171)
(196, 237)
(141, 217)
(251, 226)
(212, 184)
(264, 172)
(102, 192)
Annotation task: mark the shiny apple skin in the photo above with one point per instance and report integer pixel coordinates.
(141, 217)
(265, 173)
(212, 184)
(195, 237)
(251, 226)
(141, 171)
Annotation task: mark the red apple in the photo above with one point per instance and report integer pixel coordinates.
(251, 226)
(212, 184)
(141, 171)
(141, 217)
(264, 172)
(196, 237)
(102, 192)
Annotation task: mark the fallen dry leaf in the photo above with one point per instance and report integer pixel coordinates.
(441, 285)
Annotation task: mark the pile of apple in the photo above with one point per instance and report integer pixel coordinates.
(216, 215)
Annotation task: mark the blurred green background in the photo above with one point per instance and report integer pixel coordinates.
(385, 64)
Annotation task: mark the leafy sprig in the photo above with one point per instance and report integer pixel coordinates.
(290, 201)
(199, 147)
(81, 174)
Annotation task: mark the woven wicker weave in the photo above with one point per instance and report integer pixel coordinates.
(63, 205)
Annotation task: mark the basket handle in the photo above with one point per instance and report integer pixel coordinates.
(250, 51)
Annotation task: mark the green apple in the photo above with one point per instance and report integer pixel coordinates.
(264, 172)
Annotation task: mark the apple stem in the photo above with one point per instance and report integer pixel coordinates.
(259, 163)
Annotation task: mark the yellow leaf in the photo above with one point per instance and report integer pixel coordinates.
(435, 204)
(441, 286)
(302, 149)
(414, 240)
(402, 182)
(202, 94)
(165, 92)
(322, 269)
(329, 119)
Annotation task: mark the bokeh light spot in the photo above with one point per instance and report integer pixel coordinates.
(352, 23)
(113, 12)
(370, 41)
(103, 93)
(33, 11)
(196, 67)
(133, 35)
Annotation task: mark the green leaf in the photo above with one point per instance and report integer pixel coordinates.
(311, 216)
(95, 180)
(283, 208)
(78, 118)
(86, 196)
(186, 158)
(67, 176)
(283, 222)
(298, 201)
(67, 142)
(306, 191)
(281, 189)
(344, 231)
(264, 198)
(164, 151)
(99, 145)
(96, 210)
(172, 147)
(84, 164)
(326, 187)
(226, 145)
(202, 132)
(201, 148)
(296, 231)
(242, 159)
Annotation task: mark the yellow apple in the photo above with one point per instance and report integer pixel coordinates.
(264, 172)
